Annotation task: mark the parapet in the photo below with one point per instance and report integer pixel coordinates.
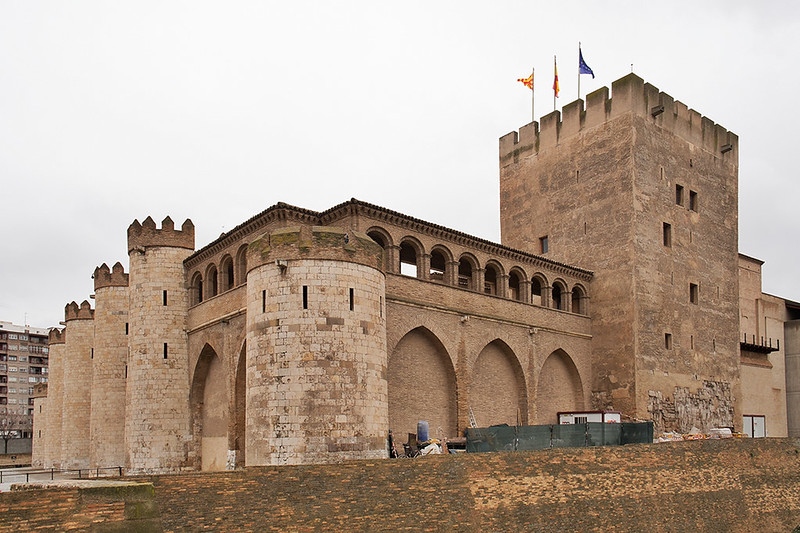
(146, 234)
(116, 277)
(73, 312)
(630, 94)
(315, 242)
(57, 336)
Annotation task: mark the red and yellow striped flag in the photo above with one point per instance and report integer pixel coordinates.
(555, 81)
(528, 82)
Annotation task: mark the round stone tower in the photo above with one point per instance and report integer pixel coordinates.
(316, 348)
(107, 423)
(55, 398)
(77, 381)
(157, 386)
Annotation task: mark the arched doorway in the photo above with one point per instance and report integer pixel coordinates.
(497, 387)
(209, 401)
(422, 386)
(559, 388)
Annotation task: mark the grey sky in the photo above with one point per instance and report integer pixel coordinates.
(111, 111)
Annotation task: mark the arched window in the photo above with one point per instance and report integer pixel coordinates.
(491, 278)
(558, 293)
(384, 240)
(211, 282)
(537, 284)
(466, 273)
(409, 259)
(578, 300)
(241, 264)
(438, 271)
(197, 289)
(514, 285)
(227, 273)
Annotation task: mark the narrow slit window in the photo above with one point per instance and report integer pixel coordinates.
(305, 296)
(351, 299)
(165, 350)
(91, 354)
(381, 307)
(264, 301)
(164, 297)
(126, 328)
(694, 293)
(667, 230)
(668, 341)
(679, 194)
(544, 244)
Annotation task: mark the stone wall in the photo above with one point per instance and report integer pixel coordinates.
(77, 380)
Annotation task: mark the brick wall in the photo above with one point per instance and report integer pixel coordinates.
(723, 485)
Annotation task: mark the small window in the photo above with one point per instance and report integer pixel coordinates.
(164, 297)
(694, 293)
(305, 296)
(264, 301)
(544, 244)
(692, 201)
(351, 299)
(91, 355)
(165, 350)
(667, 230)
(126, 328)
(679, 194)
(668, 341)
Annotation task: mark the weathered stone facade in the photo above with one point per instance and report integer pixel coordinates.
(304, 337)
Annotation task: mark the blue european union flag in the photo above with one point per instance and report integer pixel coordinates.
(583, 68)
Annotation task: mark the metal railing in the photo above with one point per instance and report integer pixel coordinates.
(52, 473)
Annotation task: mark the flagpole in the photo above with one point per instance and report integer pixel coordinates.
(579, 70)
(533, 81)
(555, 94)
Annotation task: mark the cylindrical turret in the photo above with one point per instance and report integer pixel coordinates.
(157, 417)
(316, 348)
(77, 385)
(40, 426)
(55, 399)
(107, 422)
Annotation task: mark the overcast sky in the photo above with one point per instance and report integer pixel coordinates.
(113, 111)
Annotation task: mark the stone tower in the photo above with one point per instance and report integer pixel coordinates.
(157, 430)
(316, 347)
(77, 379)
(55, 398)
(643, 191)
(107, 423)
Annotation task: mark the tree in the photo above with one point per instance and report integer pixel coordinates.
(12, 426)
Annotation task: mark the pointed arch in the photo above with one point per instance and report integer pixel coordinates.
(497, 390)
(559, 388)
(422, 385)
(208, 400)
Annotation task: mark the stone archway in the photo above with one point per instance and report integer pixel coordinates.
(559, 388)
(497, 387)
(422, 386)
(209, 407)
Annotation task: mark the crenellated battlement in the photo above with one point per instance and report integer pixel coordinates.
(114, 277)
(57, 336)
(73, 312)
(147, 234)
(630, 94)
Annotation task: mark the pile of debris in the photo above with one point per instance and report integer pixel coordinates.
(696, 434)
